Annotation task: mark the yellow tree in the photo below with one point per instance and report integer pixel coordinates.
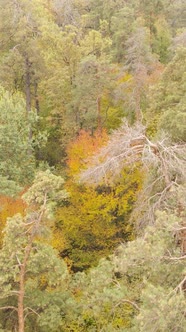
(94, 220)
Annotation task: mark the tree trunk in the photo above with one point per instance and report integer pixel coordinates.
(23, 266)
(36, 97)
(21, 324)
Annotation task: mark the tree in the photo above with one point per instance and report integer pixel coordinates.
(122, 23)
(103, 301)
(162, 40)
(149, 263)
(151, 10)
(167, 101)
(57, 86)
(17, 162)
(91, 82)
(23, 258)
(94, 221)
(175, 15)
(163, 160)
(156, 260)
(92, 212)
(23, 56)
(140, 62)
(143, 281)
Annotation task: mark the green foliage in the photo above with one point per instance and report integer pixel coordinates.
(24, 259)
(101, 299)
(155, 260)
(44, 277)
(17, 162)
(139, 281)
(164, 310)
(70, 71)
(46, 188)
(162, 40)
(167, 109)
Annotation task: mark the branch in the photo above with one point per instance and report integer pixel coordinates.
(8, 307)
(180, 286)
(32, 311)
(129, 145)
(175, 258)
(18, 260)
(129, 302)
(179, 229)
(14, 292)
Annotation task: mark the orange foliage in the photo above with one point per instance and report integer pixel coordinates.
(84, 147)
(8, 208)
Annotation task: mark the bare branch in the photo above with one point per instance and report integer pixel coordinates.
(129, 145)
(18, 260)
(181, 285)
(175, 258)
(30, 311)
(129, 302)
(8, 307)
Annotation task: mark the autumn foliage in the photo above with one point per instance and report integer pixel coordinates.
(85, 145)
(8, 208)
(94, 220)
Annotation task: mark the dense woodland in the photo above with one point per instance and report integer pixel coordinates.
(92, 165)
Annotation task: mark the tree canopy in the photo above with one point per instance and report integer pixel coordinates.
(92, 165)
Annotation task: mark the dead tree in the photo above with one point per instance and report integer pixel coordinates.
(163, 163)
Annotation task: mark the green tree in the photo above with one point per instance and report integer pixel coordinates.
(17, 162)
(21, 54)
(27, 55)
(162, 40)
(104, 302)
(157, 262)
(122, 24)
(150, 10)
(91, 84)
(167, 100)
(29, 282)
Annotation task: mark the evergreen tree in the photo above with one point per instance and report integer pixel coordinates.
(167, 100)
(17, 162)
(30, 282)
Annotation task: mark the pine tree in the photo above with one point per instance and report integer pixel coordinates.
(29, 280)
(17, 162)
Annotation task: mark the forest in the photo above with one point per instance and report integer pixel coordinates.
(92, 165)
